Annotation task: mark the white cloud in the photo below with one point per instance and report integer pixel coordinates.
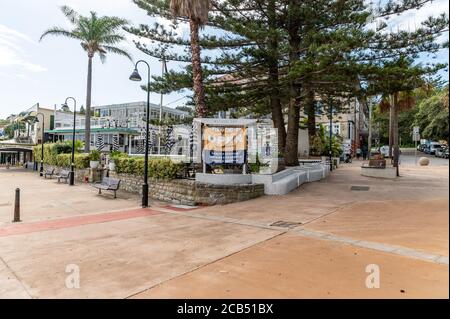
(12, 53)
(412, 19)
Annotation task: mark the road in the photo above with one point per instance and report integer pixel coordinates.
(408, 158)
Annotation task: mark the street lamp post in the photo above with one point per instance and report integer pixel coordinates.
(135, 76)
(72, 162)
(41, 169)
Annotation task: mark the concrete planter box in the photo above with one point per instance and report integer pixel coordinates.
(379, 172)
(223, 179)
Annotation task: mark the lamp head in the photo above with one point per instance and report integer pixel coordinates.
(135, 76)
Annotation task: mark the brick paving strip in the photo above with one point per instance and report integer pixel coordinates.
(26, 228)
(396, 250)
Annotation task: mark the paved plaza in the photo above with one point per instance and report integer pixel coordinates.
(231, 251)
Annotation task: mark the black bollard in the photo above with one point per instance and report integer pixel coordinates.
(17, 207)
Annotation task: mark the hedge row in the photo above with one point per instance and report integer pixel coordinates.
(159, 168)
(53, 156)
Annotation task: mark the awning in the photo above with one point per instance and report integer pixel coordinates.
(14, 149)
(95, 130)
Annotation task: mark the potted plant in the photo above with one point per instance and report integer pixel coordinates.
(94, 159)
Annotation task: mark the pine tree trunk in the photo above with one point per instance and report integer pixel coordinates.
(87, 131)
(291, 151)
(275, 99)
(292, 133)
(199, 90)
(277, 113)
(396, 147)
(311, 113)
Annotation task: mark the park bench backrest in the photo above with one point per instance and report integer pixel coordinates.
(112, 183)
(49, 170)
(64, 173)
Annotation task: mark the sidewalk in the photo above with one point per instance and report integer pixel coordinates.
(231, 251)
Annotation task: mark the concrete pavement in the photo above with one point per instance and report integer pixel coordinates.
(231, 251)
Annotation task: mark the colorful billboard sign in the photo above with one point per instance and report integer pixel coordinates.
(224, 145)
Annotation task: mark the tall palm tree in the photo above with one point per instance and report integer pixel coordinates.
(97, 35)
(197, 13)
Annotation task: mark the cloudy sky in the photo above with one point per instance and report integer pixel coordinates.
(49, 71)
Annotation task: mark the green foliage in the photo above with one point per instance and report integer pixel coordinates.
(158, 168)
(81, 161)
(322, 143)
(9, 130)
(94, 155)
(430, 113)
(433, 116)
(59, 154)
(79, 145)
(255, 167)
(98, 35)
(336, 146)
(117, 154)
(62, 148)
(316, 147)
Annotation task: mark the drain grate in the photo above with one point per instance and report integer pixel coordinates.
(285, 224)
(360, 188)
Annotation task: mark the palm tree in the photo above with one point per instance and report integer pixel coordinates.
(197, 13)
(97, 35)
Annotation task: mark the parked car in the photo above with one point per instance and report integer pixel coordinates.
(426, 149)
(439, 152)
(434, 146)
(442, 152)
(422, 147)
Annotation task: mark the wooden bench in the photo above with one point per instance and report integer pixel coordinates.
(49, 172)
(63, 174)
(108, 184)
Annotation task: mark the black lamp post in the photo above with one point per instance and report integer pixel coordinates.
(135, 76)
(41, 169)
(72, 162)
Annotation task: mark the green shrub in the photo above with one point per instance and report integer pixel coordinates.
(61, 148)
(160, 168)
(79, 145)
(81, 161)
(55, 154)
(94, 155)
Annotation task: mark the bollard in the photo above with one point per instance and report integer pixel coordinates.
(17, 207)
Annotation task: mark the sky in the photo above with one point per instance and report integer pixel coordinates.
(47, 72)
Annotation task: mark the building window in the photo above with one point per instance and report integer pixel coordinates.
(336, 128)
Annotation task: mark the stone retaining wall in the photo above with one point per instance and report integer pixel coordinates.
(190, 192)
(79, 173)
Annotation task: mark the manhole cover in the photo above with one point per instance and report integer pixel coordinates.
(360, 188)
(285, 224)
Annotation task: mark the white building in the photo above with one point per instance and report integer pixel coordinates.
(117, 126)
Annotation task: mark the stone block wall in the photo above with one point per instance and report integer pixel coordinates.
(190, 192)
(79, 173)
